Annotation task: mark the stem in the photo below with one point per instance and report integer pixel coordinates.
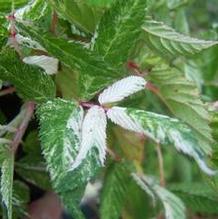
(29, 110)
(113, 155)
(161, 165)
(7, 91)
(87, 104)
(54, 22)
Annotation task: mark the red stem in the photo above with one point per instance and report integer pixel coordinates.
(29, 106)
(87, 104)
(54, 22)
(6, 91)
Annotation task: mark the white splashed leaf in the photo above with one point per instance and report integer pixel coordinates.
(164, 130)
(119, 116)
(93, 135)
(121, 89)
(145, 187)
(49, 64)
(173, 206)
(27, 42)
(74, 125)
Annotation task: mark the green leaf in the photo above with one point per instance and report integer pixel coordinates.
(79, 13)
(168, 43)
(3, 31)
(115, 189)
(6, 5)
(199, 197)
(21, 198)
(60, 145)
(95, 74)
(67, 83)
(7, 175)
(101, 3)
(119, 30)
(173, 206)
(173, 4)
(35, 10)
(32, 168)
(31, 145)
(31, 82)
(214, 126)
(183, 99)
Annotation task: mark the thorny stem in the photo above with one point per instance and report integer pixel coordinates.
(161, 165)
(6, 91)
(29, 110)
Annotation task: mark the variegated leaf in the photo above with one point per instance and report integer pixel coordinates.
(119, 116)
(121, 89)
(27, 42)
(60, 134)
(7, 175)
(49, 64)
(93, 135)
(162, 129)
(174, 207)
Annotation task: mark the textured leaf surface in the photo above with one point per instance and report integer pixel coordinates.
(119, 30)
(199, 197)
(162, 129)
(3, 31)
(93, 135)
(49, 64)
(84, 16)
(183, 99)
(94, 73)
(33, 11)
(121, 89)
(60, 124)
(114, 191)
(30, 82)
(7, 174)
(173, 206)
(27, 42)
(167, 42)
